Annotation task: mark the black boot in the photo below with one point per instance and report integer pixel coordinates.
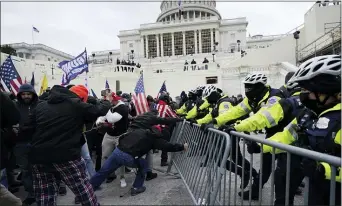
(255, 191)
(29, 201)
(135, 191)
(111, 178)
(151, 176)
(239, 172)
(163, 164)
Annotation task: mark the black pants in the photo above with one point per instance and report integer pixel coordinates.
(94, 141)
(296, 178)
(319, 192)
(166, 131)
(239, 157)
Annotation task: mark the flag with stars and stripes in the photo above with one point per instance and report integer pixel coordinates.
(139, 97)
(10, 78)
(107, 85)
(162, 90)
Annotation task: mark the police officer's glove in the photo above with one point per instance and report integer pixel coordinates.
(206, 127)
(309, 167)
(192, 122)
(179, 119)
(253, 147)
(227, 128)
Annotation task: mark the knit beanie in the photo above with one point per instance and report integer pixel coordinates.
(81, 91)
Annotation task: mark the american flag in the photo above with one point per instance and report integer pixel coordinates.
(165, 110)
(35, 29)
(10, 78)
(162, 90)
(139, 97)
(107, 85)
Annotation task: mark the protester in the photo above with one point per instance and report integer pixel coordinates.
(140, 138)
(117, 116)
(27, 101)
(56, 128)
(10, 116)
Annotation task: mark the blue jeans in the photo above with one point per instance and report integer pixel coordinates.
(21, 151)
(3, 178)
(117, 159)
(89, 162)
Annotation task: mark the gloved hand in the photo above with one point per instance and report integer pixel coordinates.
(100, 120)
(206, 127)
(179, 119)
(192, 122)
(309, 167)
(227, 128)
(253, 147)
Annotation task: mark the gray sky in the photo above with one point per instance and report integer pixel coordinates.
(72, 26)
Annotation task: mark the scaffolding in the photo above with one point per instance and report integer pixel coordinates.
(328, 43)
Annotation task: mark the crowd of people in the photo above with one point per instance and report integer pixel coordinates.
(52, 138)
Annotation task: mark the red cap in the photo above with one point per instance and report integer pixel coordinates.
(115, 97)
(81, 91)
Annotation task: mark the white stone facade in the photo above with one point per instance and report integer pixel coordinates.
(196, 28)
(40, 52)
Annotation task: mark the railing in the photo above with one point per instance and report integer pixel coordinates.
(212, 179)
(186, 68)
(321, 42)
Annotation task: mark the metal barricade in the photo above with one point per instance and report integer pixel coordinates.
(204, 164)
(291, 174)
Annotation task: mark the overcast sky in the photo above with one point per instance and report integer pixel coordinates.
(72, 26)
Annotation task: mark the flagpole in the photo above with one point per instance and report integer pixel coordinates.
(32, 35)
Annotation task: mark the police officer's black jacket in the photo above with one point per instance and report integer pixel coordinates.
(142, 136)
(56, 126)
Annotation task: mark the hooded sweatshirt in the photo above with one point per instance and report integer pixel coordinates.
(25, 109)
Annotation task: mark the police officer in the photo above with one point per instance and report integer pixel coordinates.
(318, 128)
(189, 104)
(258, 95)
(284, 88)
(201, 108)
(221, 104)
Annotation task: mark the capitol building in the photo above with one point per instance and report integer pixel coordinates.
(190, 45)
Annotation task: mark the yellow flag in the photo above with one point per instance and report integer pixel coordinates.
(44, 85)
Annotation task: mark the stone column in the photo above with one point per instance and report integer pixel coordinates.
(173, 43)
(200, 41)
(157, 40)
(141, 47)
(212, 39)
(147, 52)
(218, 39)
(184, 44)
(188, 15)
(162, 45)
(195, 36)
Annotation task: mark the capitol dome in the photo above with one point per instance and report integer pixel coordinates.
(190, 8)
